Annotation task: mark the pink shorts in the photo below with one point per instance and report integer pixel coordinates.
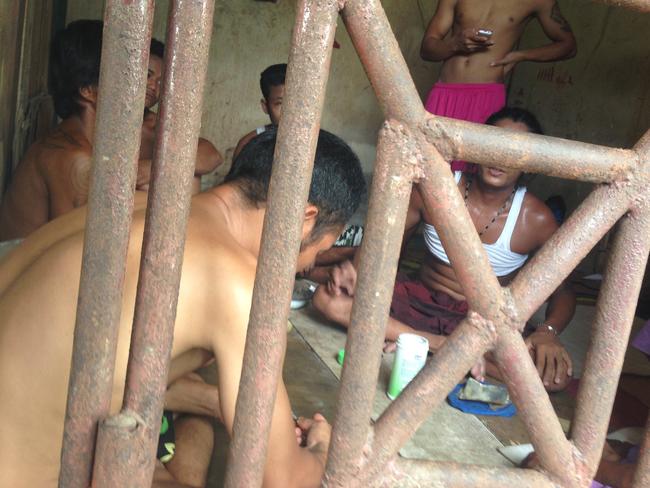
(472, 102)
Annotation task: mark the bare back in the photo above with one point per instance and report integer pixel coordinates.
(51, 180)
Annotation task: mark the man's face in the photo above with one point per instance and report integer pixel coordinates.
(308, 253)
(154, 74)
(502, 177)
(273, 105)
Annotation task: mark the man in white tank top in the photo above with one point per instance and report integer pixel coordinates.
(512, 224)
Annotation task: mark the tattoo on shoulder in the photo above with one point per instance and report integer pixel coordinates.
(557, 16)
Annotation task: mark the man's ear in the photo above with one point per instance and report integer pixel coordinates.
(265, 107)
(311, 214)
(89, 94)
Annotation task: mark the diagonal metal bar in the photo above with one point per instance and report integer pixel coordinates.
(568, 246)
(532, 153)
(420, 473)
(639, 5)
(122, 80)
(309, 63)
(609, 337)
(471, 339)
(126, 455)
(642, 475)
(382, 59)
(445, 206)
(555, 452)
(391, 186)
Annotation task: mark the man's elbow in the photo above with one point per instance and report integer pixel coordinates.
(570, 48)
(208, 158)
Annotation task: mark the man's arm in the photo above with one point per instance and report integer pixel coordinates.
(437, 46)
(207, 158)
(556, 28)
(287, 464)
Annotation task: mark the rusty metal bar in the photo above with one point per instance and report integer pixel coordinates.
(382, 59)
(418, 473)
(568, 246)
(445, 205)
(555, 452)
(391, 187)
(610, 333)
(472, 338)
(309, 64)
(186, 58)
(125, 54)
(642, 475)
(639, 5)
(532, 153)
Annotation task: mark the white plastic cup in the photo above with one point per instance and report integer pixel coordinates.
(410, 357)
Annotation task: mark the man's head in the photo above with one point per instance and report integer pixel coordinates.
(272, 85)
(518, 120)
(75, 55)
(337, 187)
(154, 72)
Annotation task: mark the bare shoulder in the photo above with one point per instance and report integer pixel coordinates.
(537, 219)
(243, 141)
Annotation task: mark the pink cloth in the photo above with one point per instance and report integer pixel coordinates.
(472, 102)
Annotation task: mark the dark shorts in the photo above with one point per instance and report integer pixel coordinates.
(167, 439)
(423, 309)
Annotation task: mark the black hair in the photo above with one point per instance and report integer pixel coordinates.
(516, 114)
(75, 56)
(157, 48)
(274, 75)
(337, 184)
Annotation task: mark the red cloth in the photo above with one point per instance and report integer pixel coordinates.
(423, 309)
(472, 102)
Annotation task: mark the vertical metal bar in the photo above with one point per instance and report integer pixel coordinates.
(382, 59)
(642, 475)
(533, 153)
(404, 416)
(609, 337)
(308, 69)
(391, 187)
(568, 246)
(125, 54)
(556, 454)
(179, 121)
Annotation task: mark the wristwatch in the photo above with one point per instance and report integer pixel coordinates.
(546, 327)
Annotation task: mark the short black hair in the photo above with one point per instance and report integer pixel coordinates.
(516, 114)
(274, 75)
(337, 184)
(157, 48)
(75, 56)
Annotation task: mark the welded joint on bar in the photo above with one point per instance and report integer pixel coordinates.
(511, 312)
(444, 143)
(483, 326)
(403, 141)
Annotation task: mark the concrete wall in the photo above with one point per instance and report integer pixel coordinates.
(248, 36)
(602, 96)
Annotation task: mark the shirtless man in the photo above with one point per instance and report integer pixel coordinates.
(207, 156)
(475, 40)
(53, 177)
(272, 87)
(512, 224)
(221, 250)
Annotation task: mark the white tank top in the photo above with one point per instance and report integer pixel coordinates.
(502, 259)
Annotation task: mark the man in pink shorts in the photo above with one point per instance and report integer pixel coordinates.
(475, 40)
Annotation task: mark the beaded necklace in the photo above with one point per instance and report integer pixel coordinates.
(468, 184)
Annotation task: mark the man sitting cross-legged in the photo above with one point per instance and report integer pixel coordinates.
(38, 304)
(512, 224)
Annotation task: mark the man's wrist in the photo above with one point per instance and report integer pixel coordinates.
(546, 328)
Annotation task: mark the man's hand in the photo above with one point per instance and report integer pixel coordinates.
(551, 359)
(478, 370)
(343, 279)
(509, 61)
(468, 41)
(314, 434)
